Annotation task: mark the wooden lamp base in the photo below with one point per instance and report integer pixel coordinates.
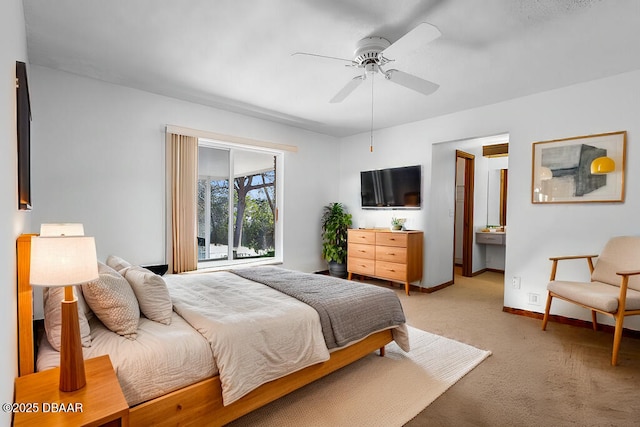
(72, 376)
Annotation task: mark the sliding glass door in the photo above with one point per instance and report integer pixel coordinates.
(237, 209)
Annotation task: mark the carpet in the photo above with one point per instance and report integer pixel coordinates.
(375, 391)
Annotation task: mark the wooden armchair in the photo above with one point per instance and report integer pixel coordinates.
(614, 289)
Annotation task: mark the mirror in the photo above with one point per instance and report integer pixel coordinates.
(497, 197)
(497, 164)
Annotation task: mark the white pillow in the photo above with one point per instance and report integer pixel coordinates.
(117, 263)
(151, 292)
(113, 301)
(52, 298)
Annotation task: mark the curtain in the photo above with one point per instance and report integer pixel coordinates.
(183, 155)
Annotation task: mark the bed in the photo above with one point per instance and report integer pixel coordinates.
(210, 393)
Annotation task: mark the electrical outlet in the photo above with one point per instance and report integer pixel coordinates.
(516, 282)
(534, 299)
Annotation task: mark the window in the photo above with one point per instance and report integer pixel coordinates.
(238, 194)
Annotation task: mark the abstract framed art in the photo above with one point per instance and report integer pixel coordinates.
(581, 169)
(23, 125)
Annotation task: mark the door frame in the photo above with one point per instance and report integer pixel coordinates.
(467, 217)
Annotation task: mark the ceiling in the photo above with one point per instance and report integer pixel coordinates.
(237, 55)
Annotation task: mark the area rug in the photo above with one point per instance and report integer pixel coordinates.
(375, 391)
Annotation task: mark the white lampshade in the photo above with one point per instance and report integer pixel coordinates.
(63, 229)
(63, 261)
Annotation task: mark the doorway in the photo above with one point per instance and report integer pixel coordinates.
(463, 224)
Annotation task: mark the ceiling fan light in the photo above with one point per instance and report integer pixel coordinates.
(602, 165)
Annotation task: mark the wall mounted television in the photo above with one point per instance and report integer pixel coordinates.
(392, 188)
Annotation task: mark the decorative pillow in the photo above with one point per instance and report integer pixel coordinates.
(113, 301)
(117, 263)
(152, 293)
(52, 298)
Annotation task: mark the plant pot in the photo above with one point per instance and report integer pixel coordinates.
(337, 269)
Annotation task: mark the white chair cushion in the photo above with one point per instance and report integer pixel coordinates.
(619, 254)
(595, 294)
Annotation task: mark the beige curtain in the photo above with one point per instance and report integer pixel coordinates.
(183, 155)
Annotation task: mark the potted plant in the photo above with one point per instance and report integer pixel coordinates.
(335, 223)
(397, 223)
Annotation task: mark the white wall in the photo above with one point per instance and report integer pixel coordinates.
(12, 48)
(535, 232)
(98, 158)
(404, 146)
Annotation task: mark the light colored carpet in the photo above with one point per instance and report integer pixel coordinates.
(387, 391)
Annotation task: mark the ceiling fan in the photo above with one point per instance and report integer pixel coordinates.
(374, 53)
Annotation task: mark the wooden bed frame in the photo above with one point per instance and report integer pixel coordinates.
(199, 403)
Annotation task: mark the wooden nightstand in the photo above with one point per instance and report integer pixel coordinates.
(99, 403)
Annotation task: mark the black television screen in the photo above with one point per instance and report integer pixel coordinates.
(391, 188)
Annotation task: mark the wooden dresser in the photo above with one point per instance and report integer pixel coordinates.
(385, 254)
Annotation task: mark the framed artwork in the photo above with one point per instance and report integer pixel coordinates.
(581, 169)
(23, 109)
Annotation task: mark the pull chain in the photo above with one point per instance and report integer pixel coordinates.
(371, 134)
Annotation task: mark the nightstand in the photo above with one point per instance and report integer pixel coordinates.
(99, 403)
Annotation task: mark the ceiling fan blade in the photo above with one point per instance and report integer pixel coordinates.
(421, 35)
(350, 61)
(347, 89)
(412, 82)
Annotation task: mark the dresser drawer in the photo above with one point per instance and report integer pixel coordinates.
(392, 239)
(490, 238)
(358, 250)
(365, 237)
(361, 266)
(391, 254)
(391, 270)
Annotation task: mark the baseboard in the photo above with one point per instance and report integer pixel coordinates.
(570, 321)
(434, 288)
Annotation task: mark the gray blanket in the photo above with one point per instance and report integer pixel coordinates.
(349, 311)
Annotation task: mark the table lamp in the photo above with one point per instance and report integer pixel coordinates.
(61, 229)
(63, 260)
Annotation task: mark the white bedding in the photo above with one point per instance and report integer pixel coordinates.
(273, 334)
(224, 324)
(162, 358)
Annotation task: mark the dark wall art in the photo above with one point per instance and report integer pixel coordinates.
(23, 108)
